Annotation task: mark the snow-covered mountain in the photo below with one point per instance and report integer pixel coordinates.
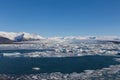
(20, 36)
(5, 40)
(23, 36)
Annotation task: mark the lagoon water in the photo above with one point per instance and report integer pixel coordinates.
(22, 65)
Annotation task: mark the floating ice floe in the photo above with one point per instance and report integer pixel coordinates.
(36, 68)
(117, 59)
(15, 54)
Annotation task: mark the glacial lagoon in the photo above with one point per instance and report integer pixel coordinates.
(27, 65)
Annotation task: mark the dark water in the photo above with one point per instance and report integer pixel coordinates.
(25, 50)
(48, 65)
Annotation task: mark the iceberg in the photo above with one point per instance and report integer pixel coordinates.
(36, 68)
(12, 54)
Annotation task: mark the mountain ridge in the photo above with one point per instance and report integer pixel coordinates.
(20, 36)
(23, 36)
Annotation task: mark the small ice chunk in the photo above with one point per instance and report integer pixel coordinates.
(36, 68)
(15, 54)
(34, 77)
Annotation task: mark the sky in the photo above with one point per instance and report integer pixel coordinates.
(61, 17)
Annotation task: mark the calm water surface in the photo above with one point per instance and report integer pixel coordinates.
(47, 65)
